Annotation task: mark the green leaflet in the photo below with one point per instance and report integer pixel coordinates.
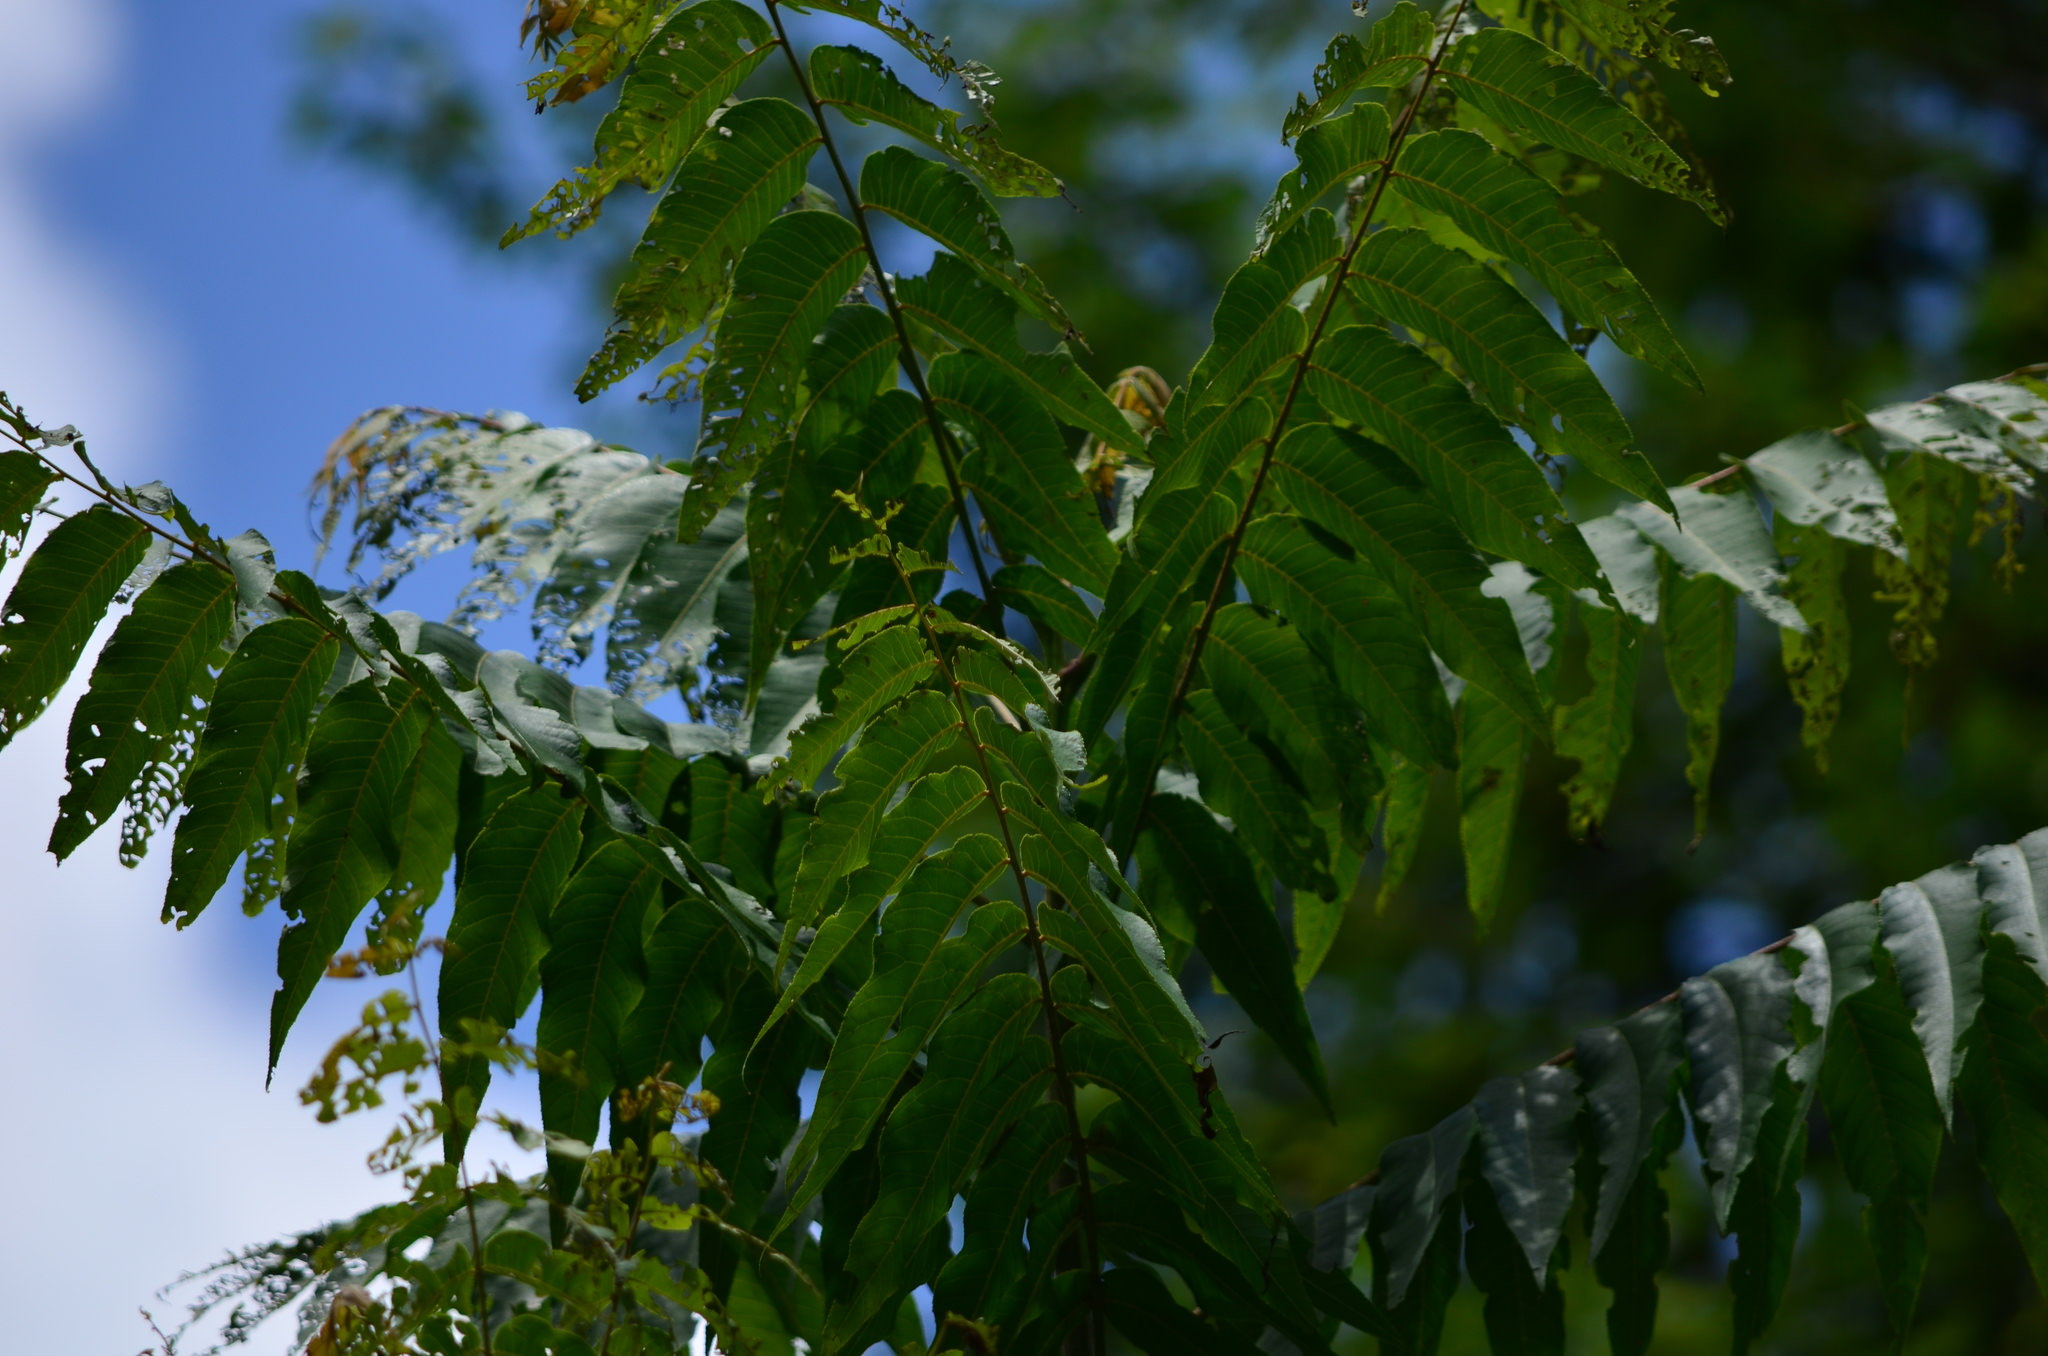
(688, 67)
(1738, 1037)
(690, 953)
(1958, 432)
(1698, 628)
(863, 89)
(987, 1067)
(1929, 495)
(2016, 417)
(1597, 729)
(1395, 51)
(2004, 1089)
(1511, 211)
(784, 289)
(1631, 1072)
(1368, 499)
(1019, 472)
(1255, 328)
(987, 1275)
(1493, 489)
(1932, 929)
(732, 825)
(1887, 1131)
(143, 686)
(64, 589)
(1237, 930)
(1243, 782)
(343, 845)
(1527, 1142)
(957, 303)
(757, 1093)
(1530, 375)
(872, 675)
(1271, 684)
(512, 874)
(2012, 879)
(726, 191)
(1816, 663)
(894, 749)
(1051, 606)
(1141, 1308)
(920, 974)
(1407, 800)
(932, 806)
(1416, 1202)
(1328, 155)
(1521, 84)
(1523, 1313)
(425, 804)
(591, 978)
(1819, 479)
(24, 480)
(264, 703)
(1721, 535)
(1492, 748)
(1629, 563)
(942, 203)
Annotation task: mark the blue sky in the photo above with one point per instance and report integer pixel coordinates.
(211, 307)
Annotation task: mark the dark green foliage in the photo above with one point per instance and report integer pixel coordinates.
(962, 873)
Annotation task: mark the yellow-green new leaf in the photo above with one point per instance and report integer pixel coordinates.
(875, 673)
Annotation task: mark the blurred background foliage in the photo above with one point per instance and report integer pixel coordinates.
(1887, 165)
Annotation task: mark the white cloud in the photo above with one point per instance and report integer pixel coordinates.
(137, 1135)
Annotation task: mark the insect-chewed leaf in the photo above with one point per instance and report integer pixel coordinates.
(1511, 211)
(512, 875)
(1597, 729)
(1932, 928)
(1499, 497)
(965, 307)
(1237, 930)
(261, 711)
(65, 587)
(1956, 431)
(2012, 880)
(986, 1068)
(1520, 83)
(1395, 51)
(24, 479)
(1629, 563)
(1738, 1036)
(592, 977)
(1530, 375)
(873, 674)
(857, 84)
(940, 202)
(1819, 479)
(1362, 493)
(1816, 663)
(142, 689)
(1360, 627)
(2020, 417)
(920, 974)
(1020, 474)
(730, 187)
(690, 65)
(1492, 748)
(1329, 156)
(1721, 535)
(783, 290)
(344, 843)
(1243, 782)
(1698, 626)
